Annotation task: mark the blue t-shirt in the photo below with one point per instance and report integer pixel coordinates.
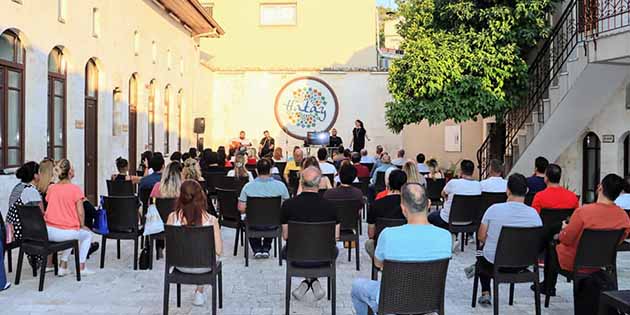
(536, 184)
(413, 242)
(149, 181)
(264, 187)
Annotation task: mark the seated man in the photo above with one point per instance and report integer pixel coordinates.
(387, 207)
(365, 158)
(345, 190)
(602, 215)
(536, 182)
(385, 164)
(263, 186)
(362, 170)
(322, 157)
(293, 165)
(415, 241)
(157, 165)
(495, 182)
(308, 206)
(554, 196)
(623, 201)
(513, 213)
(422, 167)
(400, 158)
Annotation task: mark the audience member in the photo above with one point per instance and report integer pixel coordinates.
(386, 207)
(278, 155)
(322, 157)
(339, 156)
(422, 167)
(495, 182)
(191, 170)
(385, 192)
(434, 170)
(4, 284)
(536, 182)
(222, 158)
(362, 170)
(240, 171)
(365, 158)
(415, 241)
(185, 156)
(46, 178)
(157, 165)
(24, 193)
(308, 206)
(379, 152)
(170, 182)
(345, 190)
(192, 210)
(295, 164)
(385, 165)
(554, 196)
(211, 164)
(176, 156)
(123, 172)
(623, 201)
(145, 160)
(465, 185)
(65, 217)
(513, 213)
(324, 183)
(413, 175)
(400, 158)
(602, 215)
(192, 152)
(263, 186)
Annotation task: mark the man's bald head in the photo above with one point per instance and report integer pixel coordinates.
(311, 176)
(414, 198)
(386, 158)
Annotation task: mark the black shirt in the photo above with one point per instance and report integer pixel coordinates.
(266, 146)
(308, 207)
(344, 193)
(335, 141)
(387, 207)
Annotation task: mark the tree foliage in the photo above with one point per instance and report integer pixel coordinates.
(463, 58)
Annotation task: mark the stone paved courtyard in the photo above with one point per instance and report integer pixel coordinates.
(258, 289)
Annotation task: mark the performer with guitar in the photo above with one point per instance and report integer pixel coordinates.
(267, 145)
(239, 143)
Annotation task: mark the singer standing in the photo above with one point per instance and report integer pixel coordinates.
(358, 136)
(267, 145)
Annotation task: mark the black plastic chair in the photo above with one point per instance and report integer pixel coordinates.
(597, 250)
(434, 191)
(212, 181)
(122, 222)
(348, 214)
(379, 185)
(35, 242)
(381, 224)
(413, 287)
(488, 199)
(164, 206)
(229, 216)
(463, 217)
(145, 197)
(119, 188)
(364, 186)
(8, 248)
(331, 178)
(529, 198)
(311, 243)
(614, 301)
(281, 166)
(294, 182)
(192, 247)
(264, 212)
(370, 166)
(517, 248)
(552, 221)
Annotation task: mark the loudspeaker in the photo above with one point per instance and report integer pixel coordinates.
(200, 125)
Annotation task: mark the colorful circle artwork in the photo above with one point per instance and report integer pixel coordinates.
(306, 104)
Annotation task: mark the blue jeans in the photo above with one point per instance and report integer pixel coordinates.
(3, 276)
(365, 293)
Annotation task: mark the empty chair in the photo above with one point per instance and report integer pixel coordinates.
(264, 212)
(413, 287)
(311, 243)
(463, 216)
(164, 206)
(229, 216)
(379, 185)
(517, 252)
(364, 186)
(232, 183)
(614, 301)
(35, 242)
(122, 221)
(348, 214)
(381, 224)
(119, 188)
(281, 166)
(370, 166)
(434, 191)
(192, 247)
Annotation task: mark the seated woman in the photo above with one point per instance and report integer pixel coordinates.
(123, 172)
(413, 175)
(191, 210)
(171, 181)
(46, 178)
(240, 171)
(277, 155)
(65, 216)
(191, 170)
(434, 170)
(222, 158)
(324, 183)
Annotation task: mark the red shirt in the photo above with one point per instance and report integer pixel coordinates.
(555, 198)
(382, 194)
(596, 216)
(362, 170)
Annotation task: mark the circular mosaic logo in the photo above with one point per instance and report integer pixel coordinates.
(306, 104)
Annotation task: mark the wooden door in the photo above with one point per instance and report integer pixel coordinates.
(91, 132)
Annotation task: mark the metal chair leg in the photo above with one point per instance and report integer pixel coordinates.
(18, 271)
(511, 300)
(103, 248)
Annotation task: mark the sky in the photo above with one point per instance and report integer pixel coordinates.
(386, 3)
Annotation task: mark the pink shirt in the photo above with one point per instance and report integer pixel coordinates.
(155, 192)
(62, 201)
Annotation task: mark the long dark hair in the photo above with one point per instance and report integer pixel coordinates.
(192, 203)
(360, 123)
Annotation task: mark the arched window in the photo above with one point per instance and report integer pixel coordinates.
(167, 106)
(151, 113)
(590, 167)
(56, 105)
(91, 130)
(133, 122)
(11, 100)
(180, 101)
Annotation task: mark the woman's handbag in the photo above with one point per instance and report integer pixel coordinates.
(100, 221)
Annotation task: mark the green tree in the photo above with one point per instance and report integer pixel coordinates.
(463, 58)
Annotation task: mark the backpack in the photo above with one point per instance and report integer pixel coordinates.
(588, 291)
(144, 260)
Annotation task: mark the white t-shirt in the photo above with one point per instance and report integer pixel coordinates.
(494, 185)
(623, 201)
(29, 195)
(466, 187)
(231, 173)
(327, 168)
